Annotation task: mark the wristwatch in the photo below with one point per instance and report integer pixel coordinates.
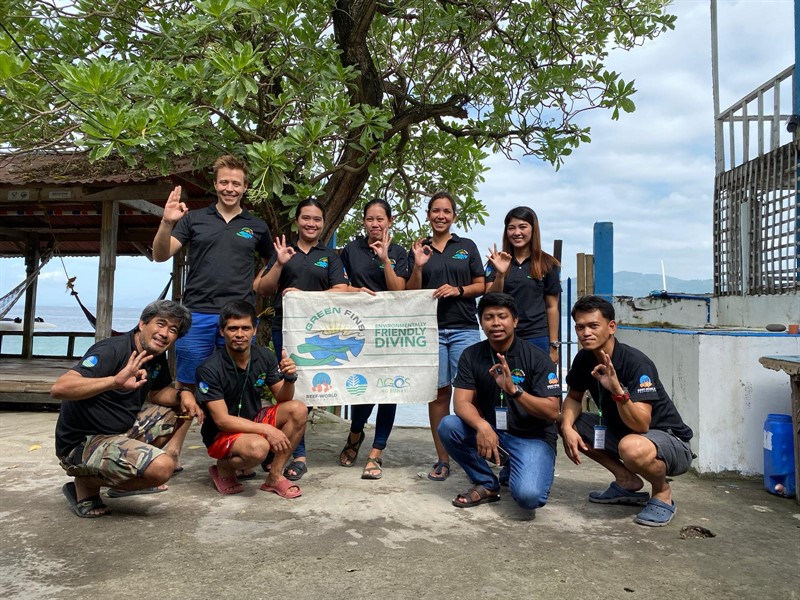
(516, 393)
(623, 397)
(555, 344)
(289, 378)
(460, 290)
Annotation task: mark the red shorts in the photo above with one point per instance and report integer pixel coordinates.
(221, 446)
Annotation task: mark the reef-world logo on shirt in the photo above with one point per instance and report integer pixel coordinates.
(552, 381)
(488, 270)
(322, 262)
(517, 376)
(203, 387)
(246, 233)
(356, 384)
(89, 361)
(260, 380)
(645, 384)
(155, 372)
(392, 261)
(461, 255)
(335, 334)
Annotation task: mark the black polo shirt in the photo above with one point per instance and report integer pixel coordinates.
(317, 271)
(220, 379)
(221, 256)
(365, 269)
(529, 295)
(112, 412)
(637, 373)
(530, 368)
(457, 265)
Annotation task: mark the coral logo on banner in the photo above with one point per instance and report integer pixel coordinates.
(356, 384)
(321, 383)
(246, 233)
(336, 336)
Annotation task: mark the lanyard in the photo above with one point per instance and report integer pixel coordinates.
(599, 404)
(502, 392)
(242, 381)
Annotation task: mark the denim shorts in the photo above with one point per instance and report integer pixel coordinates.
(452, 342)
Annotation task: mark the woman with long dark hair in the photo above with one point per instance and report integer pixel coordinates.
(451, 266)
(373, 262)
(529, 274)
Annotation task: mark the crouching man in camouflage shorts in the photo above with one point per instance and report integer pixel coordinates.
(122, 423)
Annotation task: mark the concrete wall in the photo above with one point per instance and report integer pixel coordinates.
(756, 311)
(666, 312)
(721, 390)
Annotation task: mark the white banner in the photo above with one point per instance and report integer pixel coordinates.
(362, 349)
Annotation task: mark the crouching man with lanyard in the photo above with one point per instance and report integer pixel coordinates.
(506, 401)
(121, 423)
(638, 433)
(239, 430)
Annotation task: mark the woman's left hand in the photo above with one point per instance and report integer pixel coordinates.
(446, 291)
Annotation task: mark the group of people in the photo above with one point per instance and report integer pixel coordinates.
(123, 419)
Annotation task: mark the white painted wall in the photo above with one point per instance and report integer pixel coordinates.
(721, 390)
(756, 311)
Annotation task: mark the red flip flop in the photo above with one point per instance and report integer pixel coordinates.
(225, 485)
(283, 489)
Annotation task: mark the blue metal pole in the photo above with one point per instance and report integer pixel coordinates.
(604, 260)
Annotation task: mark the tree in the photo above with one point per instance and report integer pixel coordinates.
(340, 100)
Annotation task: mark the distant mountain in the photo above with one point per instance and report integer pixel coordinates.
(627, 283)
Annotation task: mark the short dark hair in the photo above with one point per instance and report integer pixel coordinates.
(168, 309)
(593, 303)
(237, 309)
(439, 195)
(498, 299)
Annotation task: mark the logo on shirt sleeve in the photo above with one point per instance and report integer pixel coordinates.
(322, 262)
(645, 382)
(488, 270)
(461, 255)
(246, 233)
(260, 380)
(203, 387)
(552, 381)
(89, 361)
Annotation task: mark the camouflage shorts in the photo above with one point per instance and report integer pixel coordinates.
(122, 457)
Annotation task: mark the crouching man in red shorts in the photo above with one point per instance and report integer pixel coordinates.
(240, 431)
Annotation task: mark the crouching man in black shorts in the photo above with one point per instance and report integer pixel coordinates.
(638, 433)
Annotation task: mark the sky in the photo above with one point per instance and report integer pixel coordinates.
(651, 173)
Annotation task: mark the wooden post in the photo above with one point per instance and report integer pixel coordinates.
(105, 276)
(32, 257)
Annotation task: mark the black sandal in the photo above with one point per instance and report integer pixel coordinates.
(344, 456)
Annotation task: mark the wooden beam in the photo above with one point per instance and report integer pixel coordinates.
(143, 250)
(105, 276)
(31, 264)
(29, 194)
(145, 206)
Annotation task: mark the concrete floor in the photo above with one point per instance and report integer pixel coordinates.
(394, 538)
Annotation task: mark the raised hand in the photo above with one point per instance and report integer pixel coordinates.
(287, 366)
(381, 247)
(500, 261)
(422, 252)
(283, 251)
(174, 209)
(606, 374)
(133, 375)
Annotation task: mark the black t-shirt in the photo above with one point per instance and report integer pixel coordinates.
(530, 368)
(365, 269)
(529, 295)
(637, 373)
(457, 265)
(317, 271)
(112, 412)
(220, 379)
(221, 254)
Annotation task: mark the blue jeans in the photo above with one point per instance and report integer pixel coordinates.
(452, 342)
(383, 422)
(542, 342)
(196, 346)
(531, 461)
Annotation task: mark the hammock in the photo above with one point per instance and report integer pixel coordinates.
(88, 314)
(8, 301)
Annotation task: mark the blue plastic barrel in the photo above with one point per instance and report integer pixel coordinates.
(779, 455)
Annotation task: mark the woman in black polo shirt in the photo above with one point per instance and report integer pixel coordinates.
(451, 266)
(306, 265)
(378, 264)
(531, 276)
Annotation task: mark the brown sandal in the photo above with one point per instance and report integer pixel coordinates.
(369, 472)
(349, 454)
(474, 496)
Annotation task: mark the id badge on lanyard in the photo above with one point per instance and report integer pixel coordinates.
(501, 418)
(599, 442)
